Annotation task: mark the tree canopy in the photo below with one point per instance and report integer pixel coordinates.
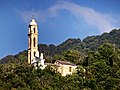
(97, 57)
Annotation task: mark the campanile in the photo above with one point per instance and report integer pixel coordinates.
(32, 41)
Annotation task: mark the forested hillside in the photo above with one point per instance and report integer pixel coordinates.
(90, 42)
(93, 42)
(102, 72)
(98, 55)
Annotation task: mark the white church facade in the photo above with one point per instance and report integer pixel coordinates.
(36, 59)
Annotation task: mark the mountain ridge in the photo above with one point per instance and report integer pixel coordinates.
(90, 42)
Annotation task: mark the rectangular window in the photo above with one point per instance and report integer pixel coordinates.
(70, 69)
(34, 41)
(34, 54)
(34, 30)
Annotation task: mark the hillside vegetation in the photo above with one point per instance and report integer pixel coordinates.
(90, 42)
(98, 55)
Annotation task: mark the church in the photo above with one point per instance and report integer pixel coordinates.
(35, 58)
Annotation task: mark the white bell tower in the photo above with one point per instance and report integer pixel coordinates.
(32, 41)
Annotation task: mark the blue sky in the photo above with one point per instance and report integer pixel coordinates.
(57, 20)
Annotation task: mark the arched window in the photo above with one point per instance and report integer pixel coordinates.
(30, 57)
(34, 41)
(34, 54)
(34, 30)
(30, 42)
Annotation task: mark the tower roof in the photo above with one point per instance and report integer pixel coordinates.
(33, 22)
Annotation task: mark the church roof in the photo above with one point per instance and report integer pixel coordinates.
(33, 22)
(64, 62)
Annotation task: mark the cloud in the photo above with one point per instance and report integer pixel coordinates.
(103, 22)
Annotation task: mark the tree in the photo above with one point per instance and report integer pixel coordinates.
(107, 52)
(74, 56)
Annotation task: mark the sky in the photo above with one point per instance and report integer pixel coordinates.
(57, 21)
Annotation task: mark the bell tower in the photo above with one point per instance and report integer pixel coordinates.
(32, 41)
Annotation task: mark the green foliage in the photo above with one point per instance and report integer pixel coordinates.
(15, 76)
(110, 53)
(7, 59)
(90, 42)
(94, 73)
(93, 42)
(98, 67)
(70, 44)
(73, 56)
(102, 68)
